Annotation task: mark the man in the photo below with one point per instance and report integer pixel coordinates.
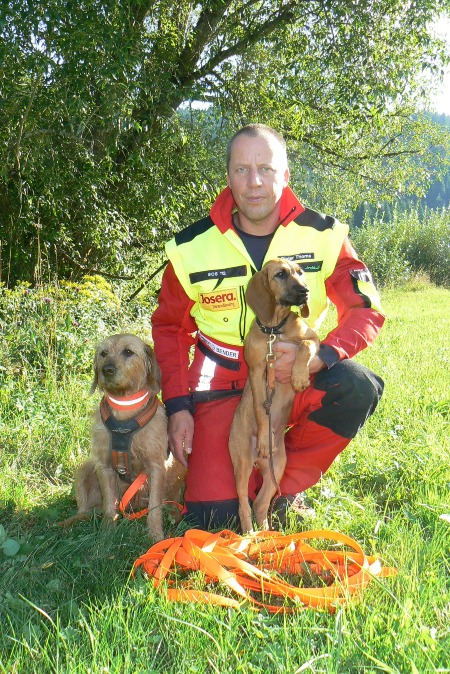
(201, 304)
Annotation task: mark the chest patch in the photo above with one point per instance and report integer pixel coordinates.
(221, 300)
(298, 257)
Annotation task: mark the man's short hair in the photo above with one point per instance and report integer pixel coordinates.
(254, 130)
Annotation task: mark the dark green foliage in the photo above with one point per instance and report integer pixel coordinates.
(101, 160)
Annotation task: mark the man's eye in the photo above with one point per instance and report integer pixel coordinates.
(241, 169)
(265, 169)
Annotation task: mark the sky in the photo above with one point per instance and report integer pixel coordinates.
(441, 101)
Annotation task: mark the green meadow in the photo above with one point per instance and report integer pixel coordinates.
(67, 601)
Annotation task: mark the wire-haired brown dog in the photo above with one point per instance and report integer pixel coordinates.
(257, 431)
(129, 435)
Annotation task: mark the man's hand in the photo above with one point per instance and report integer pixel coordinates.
(285, 357)
(316, 365)
(181, 433)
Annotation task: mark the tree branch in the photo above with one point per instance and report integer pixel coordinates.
(183, 77)
(263, 30)
(150, 278)
(204, 30)
(91, 270)
(362, 157)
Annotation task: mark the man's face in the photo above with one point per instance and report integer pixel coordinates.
(257, 175)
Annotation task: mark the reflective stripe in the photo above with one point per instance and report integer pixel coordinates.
(220, 350)
(206, 375)
(223, 362)
(131, 402)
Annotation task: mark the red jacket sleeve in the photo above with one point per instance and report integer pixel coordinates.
(172, 328)
(358, 321)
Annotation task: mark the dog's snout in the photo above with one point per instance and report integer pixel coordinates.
(298, 285)
(299, 295)
(303, 293)
(109, 369)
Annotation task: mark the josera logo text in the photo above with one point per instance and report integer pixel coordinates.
(220, 301)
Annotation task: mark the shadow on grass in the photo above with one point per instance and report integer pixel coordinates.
(58, 570)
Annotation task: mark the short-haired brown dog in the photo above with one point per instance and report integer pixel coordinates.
(125, 369)
(257, 431)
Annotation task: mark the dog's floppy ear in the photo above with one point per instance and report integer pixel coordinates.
(95, 382)
(304, 311)
(153, 370)
(259, 297)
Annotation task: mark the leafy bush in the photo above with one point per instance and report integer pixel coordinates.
(53, 329)
(407, 246)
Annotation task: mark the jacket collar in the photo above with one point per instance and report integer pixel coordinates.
(224, 206)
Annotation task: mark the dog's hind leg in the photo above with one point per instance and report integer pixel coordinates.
(269, 487)
(242, 455)
(87, 488)
(87, 493)
(173, 492)
(156, 478)
(107, 480)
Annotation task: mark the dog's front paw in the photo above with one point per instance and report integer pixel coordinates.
(300, 380)
(110, 520)
(262, 450)
(79, 517)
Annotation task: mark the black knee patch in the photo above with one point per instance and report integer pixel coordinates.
(212, 514)
(352, 393)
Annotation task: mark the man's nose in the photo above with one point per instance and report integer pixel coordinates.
(254, 177)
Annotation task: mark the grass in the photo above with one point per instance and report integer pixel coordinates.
(68, 604)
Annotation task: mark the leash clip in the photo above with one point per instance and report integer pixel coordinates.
(270, 354)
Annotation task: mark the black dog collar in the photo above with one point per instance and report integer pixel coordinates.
(274, 330)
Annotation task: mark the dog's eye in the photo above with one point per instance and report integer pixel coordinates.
(103, 353)
(127, 353)
(282, 274)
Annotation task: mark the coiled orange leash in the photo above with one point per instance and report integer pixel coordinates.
(256, 567)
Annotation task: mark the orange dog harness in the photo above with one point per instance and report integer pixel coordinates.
(122, 431)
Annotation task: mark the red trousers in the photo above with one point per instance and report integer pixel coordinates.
(323, 420)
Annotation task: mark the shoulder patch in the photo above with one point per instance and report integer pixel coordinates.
(189, 233)
(310, 218)
(362, 275)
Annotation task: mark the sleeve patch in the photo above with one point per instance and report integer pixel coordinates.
(362, 275)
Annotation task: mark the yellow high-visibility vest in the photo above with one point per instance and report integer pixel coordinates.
(214, 269)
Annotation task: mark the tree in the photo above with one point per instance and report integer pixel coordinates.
(102, 157)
